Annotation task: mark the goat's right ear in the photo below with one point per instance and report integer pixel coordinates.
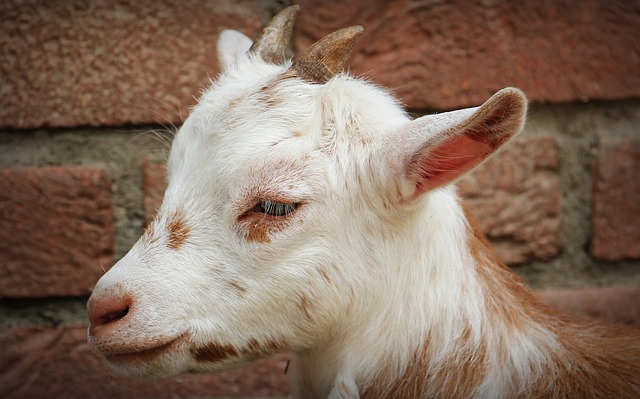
(434, 150)
(232, 45)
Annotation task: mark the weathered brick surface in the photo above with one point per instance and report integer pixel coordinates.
(448, 54)
(111, 63)
(102, 62)
(56, 232)
(515, 197)
(616, 304)
(615, 231)
(40, 363)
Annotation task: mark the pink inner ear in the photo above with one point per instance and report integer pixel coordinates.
(449, 160)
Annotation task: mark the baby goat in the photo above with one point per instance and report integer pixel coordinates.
(306, 212)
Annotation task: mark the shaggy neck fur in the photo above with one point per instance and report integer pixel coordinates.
(453, 322)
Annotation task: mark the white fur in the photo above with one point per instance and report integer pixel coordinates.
(383, 267)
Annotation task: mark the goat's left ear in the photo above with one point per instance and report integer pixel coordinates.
(232, 45)
(434, 150)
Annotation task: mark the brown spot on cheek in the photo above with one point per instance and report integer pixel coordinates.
(258, 231)
(178, 230)
(259, 228)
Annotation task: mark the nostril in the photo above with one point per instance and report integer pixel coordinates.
(104, 311)
(115, 316)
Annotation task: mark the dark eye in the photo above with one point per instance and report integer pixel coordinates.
(274, 208)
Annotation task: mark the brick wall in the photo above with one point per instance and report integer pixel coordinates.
(90, 91)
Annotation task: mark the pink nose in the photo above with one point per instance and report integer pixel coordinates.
(107, 310)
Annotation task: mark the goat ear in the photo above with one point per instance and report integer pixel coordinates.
(232, 45)
(434, 150)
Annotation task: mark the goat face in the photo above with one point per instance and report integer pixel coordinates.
(246, 255)
(238, 260)
(284, 193)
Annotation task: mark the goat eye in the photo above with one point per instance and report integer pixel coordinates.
(274, 208)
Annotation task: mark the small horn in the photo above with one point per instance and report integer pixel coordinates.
(274, 41)
(326, 58)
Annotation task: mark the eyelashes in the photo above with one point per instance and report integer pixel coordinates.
(275, 208)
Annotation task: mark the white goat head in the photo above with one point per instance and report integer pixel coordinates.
(290, 212)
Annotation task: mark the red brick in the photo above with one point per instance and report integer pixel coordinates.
(101, 62)
(58, 363)
(448, 54)
(106, 63)
(616, 304)
(154, 183)
(616, 206)
(515, 197)
(57, 230)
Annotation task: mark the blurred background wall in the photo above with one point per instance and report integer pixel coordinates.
(92, 91)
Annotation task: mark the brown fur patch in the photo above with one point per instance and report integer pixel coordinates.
(216, 352)
(253, 346)
(324, 275)
(507, 297)
(268, 93)
(271, 101)
(604, 363)
(178, 230)
(238, 287)
(258, 230)
(304, 306)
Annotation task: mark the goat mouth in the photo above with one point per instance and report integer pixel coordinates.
(143, 355)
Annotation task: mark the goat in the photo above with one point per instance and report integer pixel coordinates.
(306, 212)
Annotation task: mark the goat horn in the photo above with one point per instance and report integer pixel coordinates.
(274, 41)
(326, 58)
